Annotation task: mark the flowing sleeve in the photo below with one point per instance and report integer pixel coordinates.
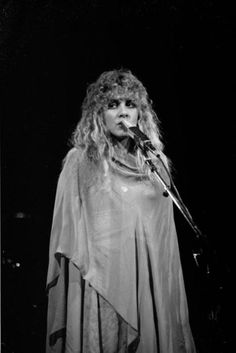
(66, 216)
(65, 233)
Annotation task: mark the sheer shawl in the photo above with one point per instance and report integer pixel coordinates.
(113, 230)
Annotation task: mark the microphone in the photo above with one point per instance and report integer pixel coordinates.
(135, 133)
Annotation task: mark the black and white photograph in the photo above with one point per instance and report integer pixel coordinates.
(118, 164)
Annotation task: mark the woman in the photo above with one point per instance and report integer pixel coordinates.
(115, 281)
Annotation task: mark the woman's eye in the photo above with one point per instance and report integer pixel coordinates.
(113, 104)
(130, 104)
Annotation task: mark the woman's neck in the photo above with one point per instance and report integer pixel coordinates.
(126, 144)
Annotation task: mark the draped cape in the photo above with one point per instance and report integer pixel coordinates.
(113, 231)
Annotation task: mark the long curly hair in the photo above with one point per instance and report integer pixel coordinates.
(91, 134)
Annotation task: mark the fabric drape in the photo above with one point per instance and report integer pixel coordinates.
(115, 281)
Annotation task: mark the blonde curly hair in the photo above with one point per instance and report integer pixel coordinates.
(91, 134)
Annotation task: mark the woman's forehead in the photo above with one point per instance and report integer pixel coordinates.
(123, 96)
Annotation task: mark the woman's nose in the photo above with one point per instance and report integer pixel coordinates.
(123, 112)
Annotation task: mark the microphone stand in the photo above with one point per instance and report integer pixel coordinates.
(146, 147)
(211, 283)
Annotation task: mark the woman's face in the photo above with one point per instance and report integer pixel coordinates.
(118, 110)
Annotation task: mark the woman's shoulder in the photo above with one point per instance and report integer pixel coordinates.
(72, 155)
(160, 159)
(71, 160)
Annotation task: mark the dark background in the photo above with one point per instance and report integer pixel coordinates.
(183, 52)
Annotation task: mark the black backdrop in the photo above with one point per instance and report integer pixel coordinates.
(184, 55)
